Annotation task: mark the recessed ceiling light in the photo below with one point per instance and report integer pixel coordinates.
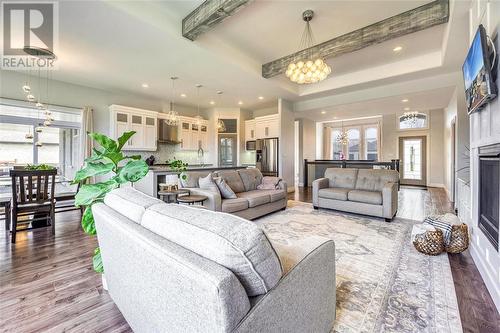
(407, 109)
(212, 102)
(261, 97)
(183, 95)
(145, 85)
(323, 112)
(404, 100)
(397, 48)
(240, 103)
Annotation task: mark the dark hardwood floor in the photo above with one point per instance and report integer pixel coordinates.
(47, 282)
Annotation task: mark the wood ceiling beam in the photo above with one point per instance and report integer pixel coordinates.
(209, 14)
(417, 19)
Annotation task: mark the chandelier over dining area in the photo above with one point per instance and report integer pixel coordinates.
(311, 68)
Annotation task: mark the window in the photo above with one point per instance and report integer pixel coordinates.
(353, 147)
(415, 120)
(59, 142)
(363, 143)
(371, 143)
(336, 146)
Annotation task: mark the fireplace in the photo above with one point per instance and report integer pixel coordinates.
(489, 188)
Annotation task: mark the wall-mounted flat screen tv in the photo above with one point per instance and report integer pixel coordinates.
(479, 85)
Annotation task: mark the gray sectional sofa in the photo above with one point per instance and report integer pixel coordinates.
(175, 268)
(250, 203)
(361, 191)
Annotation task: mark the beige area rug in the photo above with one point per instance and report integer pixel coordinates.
(383, 283)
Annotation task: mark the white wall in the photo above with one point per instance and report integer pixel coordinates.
(484, 130)
(286, 147)
(307, 145)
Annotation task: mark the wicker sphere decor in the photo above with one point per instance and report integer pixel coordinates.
(459, 241)
(430, 242)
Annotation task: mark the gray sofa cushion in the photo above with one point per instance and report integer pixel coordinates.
(233, 242)
(343, 178)
(233, 179)
(374, 180)
(275, 195)
(371, 197)
(255, 198)
(192, 178)
(251, 178)
(234, 205)
(130, 202)
(335, 193)
(226, 191)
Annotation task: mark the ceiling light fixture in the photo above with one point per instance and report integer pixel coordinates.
(404, 100)
(172, 115)
(411, 118)
(261, 97)
(342, 138)
(212, 102)
(323, 112)
(145, 85)
(183, 95)
(240, 103)
(397, 48)
(198, 118)
(221, 127)
(312, 68)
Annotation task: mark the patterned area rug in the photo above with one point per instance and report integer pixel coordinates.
(383, 283)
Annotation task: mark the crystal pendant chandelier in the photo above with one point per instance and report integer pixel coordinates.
(411, 118)
(172, 118)
(221, 127)
(198, 118)
(342, 138)
(309, 67)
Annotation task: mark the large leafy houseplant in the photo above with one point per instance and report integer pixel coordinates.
(107, 159)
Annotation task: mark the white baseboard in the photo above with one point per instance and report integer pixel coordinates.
(436, 185)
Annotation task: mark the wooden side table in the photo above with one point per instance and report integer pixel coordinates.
(172, 196)
(192, 199)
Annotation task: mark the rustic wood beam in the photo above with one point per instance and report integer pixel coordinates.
(209, 14)
(420, 18)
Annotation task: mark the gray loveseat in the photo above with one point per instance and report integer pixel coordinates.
(250, 203)
(361, 191)
(175, 268)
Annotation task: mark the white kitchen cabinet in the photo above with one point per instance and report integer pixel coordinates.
(267, 127)
(143, 122)
(249, 130)
(192, 134)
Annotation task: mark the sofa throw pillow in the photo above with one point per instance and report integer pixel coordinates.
(269, 183)
(225, 191)
(207, 183)
(437, 223)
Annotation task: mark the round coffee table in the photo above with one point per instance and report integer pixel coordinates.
(192, 199)
(171, 196)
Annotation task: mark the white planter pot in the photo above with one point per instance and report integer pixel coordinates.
(104, 282)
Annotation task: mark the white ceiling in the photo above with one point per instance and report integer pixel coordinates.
(118, 45)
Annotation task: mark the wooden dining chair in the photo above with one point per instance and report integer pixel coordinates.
(32, 194)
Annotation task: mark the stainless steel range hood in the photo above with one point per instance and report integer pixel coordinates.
(167, 133)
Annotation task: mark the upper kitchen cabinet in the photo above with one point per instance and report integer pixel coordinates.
(193, 135)
(250, 130)
(267, 127)
(143, 122)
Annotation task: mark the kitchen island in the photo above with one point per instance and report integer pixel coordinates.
(156, 175)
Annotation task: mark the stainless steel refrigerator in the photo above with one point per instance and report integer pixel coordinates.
(266, 152)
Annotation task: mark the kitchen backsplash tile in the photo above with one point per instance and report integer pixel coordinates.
(167, 152)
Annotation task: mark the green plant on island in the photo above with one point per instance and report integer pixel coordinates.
(39, 167)
(179, 167)
(109, 160)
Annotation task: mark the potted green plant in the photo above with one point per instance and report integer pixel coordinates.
(179, 167)
(109, 160)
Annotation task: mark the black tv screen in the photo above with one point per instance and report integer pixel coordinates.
(479, 85)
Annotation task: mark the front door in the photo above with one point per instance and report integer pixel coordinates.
(413, 157)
